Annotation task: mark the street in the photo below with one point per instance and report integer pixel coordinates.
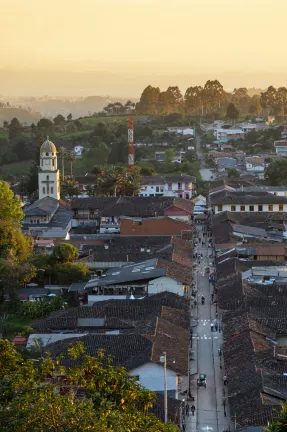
(205, 173)
(209, 415)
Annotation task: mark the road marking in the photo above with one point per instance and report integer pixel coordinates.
(207, 428)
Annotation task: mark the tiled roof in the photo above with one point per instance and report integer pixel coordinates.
(161, 180)
(45, 206)
(132, 248)
(228, 197)
(175, 271)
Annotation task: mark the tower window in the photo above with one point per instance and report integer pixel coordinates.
(47, 177)
(47, 154)
(53, 162)
(44, 189)
(52, 189)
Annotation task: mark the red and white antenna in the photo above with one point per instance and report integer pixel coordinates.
(131, 147)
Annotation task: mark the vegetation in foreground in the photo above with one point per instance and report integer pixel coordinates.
(41, 395)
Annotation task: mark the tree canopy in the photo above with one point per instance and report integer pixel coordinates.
(42, 395)
(64, 253)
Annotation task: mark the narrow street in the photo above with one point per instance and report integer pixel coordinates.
(205, 173)
(209, 415)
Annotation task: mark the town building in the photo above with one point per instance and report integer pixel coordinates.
(181, 130)
(180, 186)
(48, 217)
(157, 226)
(223, 135)
(281, 147)
(243, 202)
(254, 164)
(106, 212)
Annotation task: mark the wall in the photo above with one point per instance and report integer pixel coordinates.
(265, 208)
(177, 213)
(151, 377)
(165, 283)
(162, 226)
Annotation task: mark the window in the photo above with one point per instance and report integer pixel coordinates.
(179, 185)
(180, 195)
(44, 189)
(157, 188)
(53, 162)
(280, 207)
(137, 222)
(242, 208)
(251, 208)
(233, 208)
(260, 207)
(52, 189)
(219, 207)
(38, 221)
(270, 207)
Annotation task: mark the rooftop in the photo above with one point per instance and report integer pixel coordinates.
(230, 197)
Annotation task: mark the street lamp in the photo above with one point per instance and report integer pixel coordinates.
(163, 360)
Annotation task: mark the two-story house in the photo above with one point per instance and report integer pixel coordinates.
(281, 147)
(247, 202)
(180, 186)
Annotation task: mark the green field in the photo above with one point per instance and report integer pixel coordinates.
(92, 121)
(16, 325)
(17, 169)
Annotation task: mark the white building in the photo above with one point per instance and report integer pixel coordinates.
(247, 202)
(281, 147)
(181, 130)
(224, 135)
(78, 151)
(49, 176)
(180, 186)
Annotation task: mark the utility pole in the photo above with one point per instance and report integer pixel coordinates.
(131, 148)
(163, 360)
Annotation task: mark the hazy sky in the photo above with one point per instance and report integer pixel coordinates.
(162, 37)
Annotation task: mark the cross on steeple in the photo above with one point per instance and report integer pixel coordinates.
(47, 182)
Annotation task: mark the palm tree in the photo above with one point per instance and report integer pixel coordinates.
(72, 158)
(63, 152)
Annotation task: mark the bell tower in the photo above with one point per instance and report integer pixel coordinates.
(48, 177)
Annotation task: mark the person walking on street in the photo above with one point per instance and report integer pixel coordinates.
(225, 382)
(216, 327)
(192, 408)
(187, 410)
(211, 326)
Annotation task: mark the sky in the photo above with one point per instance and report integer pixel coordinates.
(145, 38)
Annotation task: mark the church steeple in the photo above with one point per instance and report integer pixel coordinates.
(49, 179)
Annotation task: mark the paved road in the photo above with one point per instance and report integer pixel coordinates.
(205, 173)
(209, 409)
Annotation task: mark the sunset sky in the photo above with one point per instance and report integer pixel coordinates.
(162, 37)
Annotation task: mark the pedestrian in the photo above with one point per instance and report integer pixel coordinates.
(211, 326)
(216, 327)
(187, 410)
(192, 408)
(212, 297)
(225, 382)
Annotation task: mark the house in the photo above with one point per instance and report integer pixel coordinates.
(78, 151)
(251, 202)
(104, 212)
(142, 278)
(86, 181)
(224, 135)
(159, 226)
(180, 186)
(47, 218)
(181, 130)
(226, 162)
(199, 205)
(254, 166)
(281, 147)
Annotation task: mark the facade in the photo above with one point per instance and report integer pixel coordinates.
(281, 147)
(224, 135)
(254, 166)
(49, 176)
(177, 186)
(242, 202)
(181, 130)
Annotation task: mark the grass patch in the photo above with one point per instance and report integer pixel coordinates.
(73, 135)
(17, 169)
(16, 324)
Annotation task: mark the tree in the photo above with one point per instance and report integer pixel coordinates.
(38, 396)
(67, 273)
(213, 94)
(15, 128)
(232, 111)
(280, 424)
(193, 99)
(64, 253)
(70, 187)
(240, 96)
(63, 152)
(276, 173)
(31, 181)
(10, 206)
(69, 117)
(147, 171)
(148, 100)
(169, 155)
(268, 99)
(59, 119)
(233, 173)
(44, 123)
(170, 101)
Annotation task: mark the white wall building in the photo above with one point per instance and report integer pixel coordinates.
(78, 151)
(254, 167)
(281, 147)
(181, 130)
(174, 186)
(224, 135)
(151, 377)
(48, 177)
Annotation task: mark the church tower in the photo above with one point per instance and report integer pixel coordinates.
(48, 177)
